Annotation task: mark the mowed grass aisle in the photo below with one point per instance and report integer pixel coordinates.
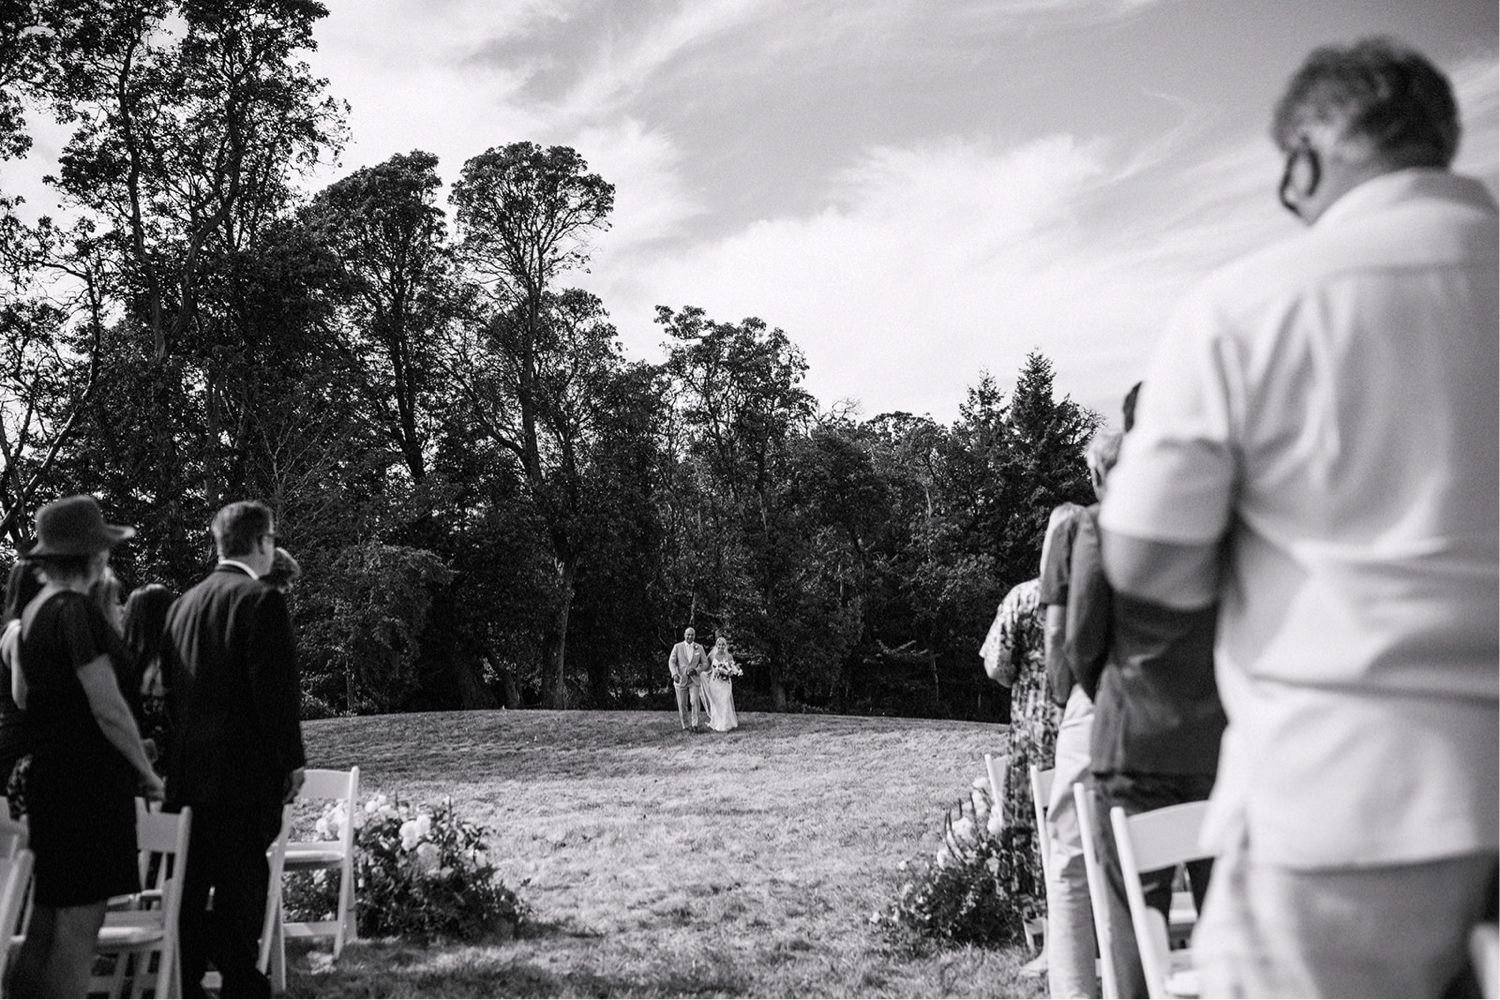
(659, 863)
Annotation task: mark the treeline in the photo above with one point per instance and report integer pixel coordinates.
(491, 503)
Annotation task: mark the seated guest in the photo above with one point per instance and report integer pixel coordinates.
(1157, 717)
(87, 760)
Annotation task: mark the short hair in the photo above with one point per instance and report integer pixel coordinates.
(1376, 93)
(1103, 452)
(237, 525)
(20, 587)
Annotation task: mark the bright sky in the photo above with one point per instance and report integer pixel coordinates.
(914, 191)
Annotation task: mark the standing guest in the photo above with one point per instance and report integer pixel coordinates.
(23, 584)
(1013, 658)
(87, 758)
(237, 751)
(145, 635)
(1070, 920)
(1157, 717)
(285, 571)
(1317, 456)
(688, 663)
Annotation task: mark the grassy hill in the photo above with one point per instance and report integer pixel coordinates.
(662, 863)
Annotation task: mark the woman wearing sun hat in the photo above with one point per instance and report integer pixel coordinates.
(87, 760)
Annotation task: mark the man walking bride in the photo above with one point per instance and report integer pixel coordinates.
(688, 664)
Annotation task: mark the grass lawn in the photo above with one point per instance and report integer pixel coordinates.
(659, 863)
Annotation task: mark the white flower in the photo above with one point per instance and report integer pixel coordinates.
(981, 804)
(481, 858)
(445, 871)
(410, 836)
(322, 827)
(428, 857)
(942, 857)
(997, 822)
(424, 825)
(359, 819)
(983, 781)
(964, 829)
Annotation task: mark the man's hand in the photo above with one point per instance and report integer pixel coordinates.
(293, 785)
(676, 678)
(152, 789)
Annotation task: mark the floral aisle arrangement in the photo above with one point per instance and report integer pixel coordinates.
(419, 874)
(979, 887)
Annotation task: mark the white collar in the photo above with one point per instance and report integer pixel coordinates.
(235, 562)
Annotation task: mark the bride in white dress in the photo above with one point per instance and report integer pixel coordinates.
(720, 687)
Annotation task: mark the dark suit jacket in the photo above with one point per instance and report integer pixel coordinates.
(1149, 669)
(232, 693)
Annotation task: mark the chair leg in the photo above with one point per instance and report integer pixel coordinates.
(277, 971)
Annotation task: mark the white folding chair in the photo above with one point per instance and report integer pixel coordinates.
(1484, 949)
(149, 929)
(995, 767)
(326, 855)
(272, 960)
(14, 836)
(15, 883)
(1041, 793)
(1161, 838)
(1098, 891)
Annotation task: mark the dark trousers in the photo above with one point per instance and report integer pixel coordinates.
(1138, 793)
(226, 854)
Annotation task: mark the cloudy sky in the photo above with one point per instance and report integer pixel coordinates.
(915, 191)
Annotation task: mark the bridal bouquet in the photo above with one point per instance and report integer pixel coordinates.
(725, 670)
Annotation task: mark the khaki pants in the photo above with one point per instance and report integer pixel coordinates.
(1389, 931)
(1070, 921)
(690, 695)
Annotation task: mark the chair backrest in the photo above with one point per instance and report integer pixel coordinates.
(14, 836)
(1161, 838)
(995, 767)
(320, 783)
(15, 881)
(1484, 948)
(1041, 793)
(1098, 889)
(162, 840)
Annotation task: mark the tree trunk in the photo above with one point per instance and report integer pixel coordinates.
(555, 691)
(468, 678)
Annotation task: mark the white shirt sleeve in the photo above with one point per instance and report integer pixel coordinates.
(1178, 467)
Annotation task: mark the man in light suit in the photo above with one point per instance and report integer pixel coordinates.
(233, 695)
(688, 663)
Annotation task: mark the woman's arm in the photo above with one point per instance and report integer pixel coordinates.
(115, 720)
(10, 649)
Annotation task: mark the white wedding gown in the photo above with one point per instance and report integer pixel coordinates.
(721, 717)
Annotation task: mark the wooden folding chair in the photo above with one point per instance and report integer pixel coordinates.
(15, 883)
(1161, 838)
(1098, 891)
(15, 836)
(995, 767)
(325, 855)
(149, 928)
(1484, 949)
(1041, 792)
(272, 960)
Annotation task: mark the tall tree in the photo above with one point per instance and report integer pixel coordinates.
(524, 214)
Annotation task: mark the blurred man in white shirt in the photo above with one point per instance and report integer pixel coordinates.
(1317, 453)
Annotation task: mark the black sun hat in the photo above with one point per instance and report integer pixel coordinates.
(74, 526)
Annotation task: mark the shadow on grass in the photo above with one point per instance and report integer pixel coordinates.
(398, 969)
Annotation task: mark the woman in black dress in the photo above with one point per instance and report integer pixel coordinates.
(145, 633)
(87, 757)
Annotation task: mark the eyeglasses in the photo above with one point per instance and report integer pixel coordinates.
(1301, 149)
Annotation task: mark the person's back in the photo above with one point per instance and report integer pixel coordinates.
(1318, 454)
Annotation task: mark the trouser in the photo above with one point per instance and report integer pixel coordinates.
(226, 854)
(1138, 793)
(1070, 927)
(1387, 931)
(690, 696)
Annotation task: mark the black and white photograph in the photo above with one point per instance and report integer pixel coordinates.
(750, 498)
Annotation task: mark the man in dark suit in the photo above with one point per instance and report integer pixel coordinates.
(237, 751)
